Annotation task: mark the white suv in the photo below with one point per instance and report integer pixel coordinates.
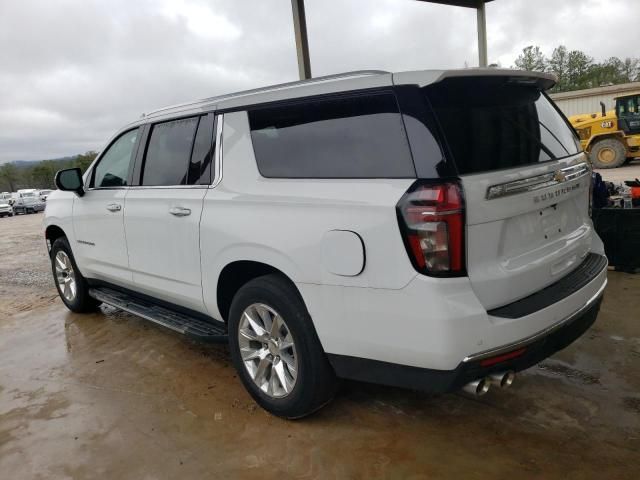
(426, 229)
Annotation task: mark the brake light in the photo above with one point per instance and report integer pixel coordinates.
(431, 217)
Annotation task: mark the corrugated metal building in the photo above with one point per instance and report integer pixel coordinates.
(588, 101)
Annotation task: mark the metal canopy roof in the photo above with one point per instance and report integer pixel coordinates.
(459, 3)
(302, 43)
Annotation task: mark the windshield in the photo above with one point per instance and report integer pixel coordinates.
(491, 124)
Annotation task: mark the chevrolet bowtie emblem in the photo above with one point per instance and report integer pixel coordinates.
(559, 176)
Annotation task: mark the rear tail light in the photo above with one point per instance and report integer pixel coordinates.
(431, 217)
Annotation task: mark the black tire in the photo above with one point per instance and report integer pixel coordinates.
(82, 303)
(608, 153)
(316, 383)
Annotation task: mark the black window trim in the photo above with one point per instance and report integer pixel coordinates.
(327, 97)
(132, 162)
(213, 145)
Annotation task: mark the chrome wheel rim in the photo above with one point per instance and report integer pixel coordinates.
(65, 276)
(268, 351)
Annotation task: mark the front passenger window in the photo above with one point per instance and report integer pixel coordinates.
(113, 168)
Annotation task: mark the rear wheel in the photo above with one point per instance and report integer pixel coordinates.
(608, 153)
(72, 286)
(276, 350)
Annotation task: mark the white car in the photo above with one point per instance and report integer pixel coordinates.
(424, 229)
(6, 210)
(43, 194)
(27, 201)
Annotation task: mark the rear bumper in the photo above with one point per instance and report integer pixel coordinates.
(536, 348)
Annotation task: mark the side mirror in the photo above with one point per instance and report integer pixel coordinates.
(70, 180)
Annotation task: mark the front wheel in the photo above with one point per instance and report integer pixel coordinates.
(72, 286)
(608, 153)
(276, 351)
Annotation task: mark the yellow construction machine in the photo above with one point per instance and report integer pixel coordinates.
(611, 138)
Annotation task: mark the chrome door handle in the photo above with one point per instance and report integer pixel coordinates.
(180, 211)
(114, 207)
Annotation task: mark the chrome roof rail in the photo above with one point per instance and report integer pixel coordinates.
(338, 76)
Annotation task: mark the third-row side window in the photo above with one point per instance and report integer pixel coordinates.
(360, 136)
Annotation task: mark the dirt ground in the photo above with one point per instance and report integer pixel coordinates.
(109, 396)
(631, 171)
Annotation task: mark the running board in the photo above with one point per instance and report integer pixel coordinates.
(178, 322)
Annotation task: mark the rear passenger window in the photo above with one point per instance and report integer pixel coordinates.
(351, 137)
(169, 152)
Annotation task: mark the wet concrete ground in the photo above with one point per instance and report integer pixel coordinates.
(108, 395)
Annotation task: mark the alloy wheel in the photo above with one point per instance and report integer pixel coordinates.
(65, 276)
(268, 351)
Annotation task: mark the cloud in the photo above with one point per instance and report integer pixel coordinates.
(74, 71)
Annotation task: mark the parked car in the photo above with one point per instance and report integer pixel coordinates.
(6, 197)
(425, 229)
(43, 194)
(27, 201)
(6, 210)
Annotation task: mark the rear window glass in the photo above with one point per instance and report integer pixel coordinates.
(169, 152)
(491, 124)
(349, 137)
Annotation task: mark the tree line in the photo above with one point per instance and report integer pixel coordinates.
(577, 70)
(40, 175)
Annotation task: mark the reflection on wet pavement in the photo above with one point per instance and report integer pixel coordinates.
(109, 396)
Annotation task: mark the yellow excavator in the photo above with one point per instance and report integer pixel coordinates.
(611, 138)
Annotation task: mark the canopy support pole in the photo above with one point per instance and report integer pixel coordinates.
(482, 34)
(302, 44)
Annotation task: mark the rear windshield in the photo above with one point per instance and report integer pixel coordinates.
(491, 124)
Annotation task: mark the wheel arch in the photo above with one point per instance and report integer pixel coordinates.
(52, 233)
(236, 274)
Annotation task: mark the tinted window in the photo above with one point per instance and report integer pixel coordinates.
(202, 156)
(355, 137)
(491, 124)
(113, 168)
(168, 152)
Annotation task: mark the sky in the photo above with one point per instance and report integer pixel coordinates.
(72, 72)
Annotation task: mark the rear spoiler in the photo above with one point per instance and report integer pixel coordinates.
(422, 78)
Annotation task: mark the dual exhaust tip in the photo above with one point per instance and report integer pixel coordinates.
(481, 386)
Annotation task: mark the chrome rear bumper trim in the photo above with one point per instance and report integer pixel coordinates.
(536, 336)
